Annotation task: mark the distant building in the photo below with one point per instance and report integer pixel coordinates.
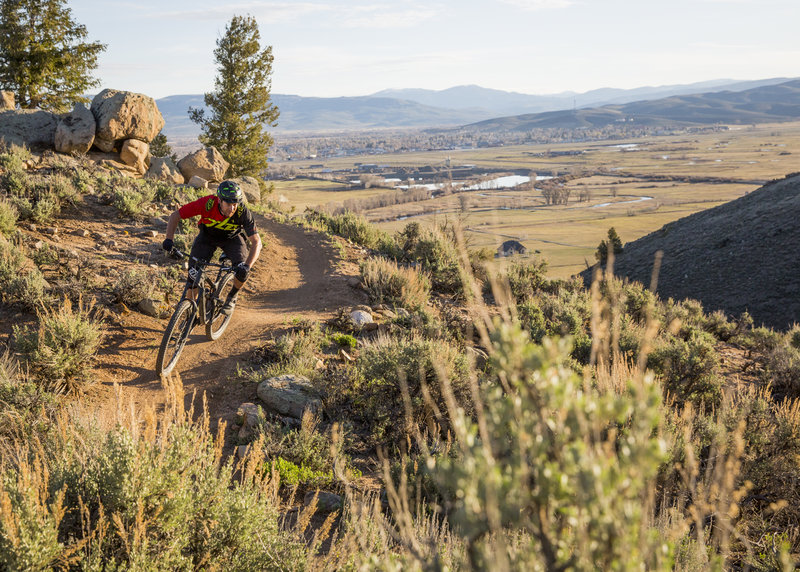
(510, 248)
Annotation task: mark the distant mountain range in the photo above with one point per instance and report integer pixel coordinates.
(473, 105)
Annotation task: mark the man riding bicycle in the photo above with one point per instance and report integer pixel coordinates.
(224, 223)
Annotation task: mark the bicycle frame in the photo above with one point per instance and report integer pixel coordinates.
(202, 283)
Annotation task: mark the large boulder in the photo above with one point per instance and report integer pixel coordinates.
(250, 188)
(33, 128)
(75, 131)
(136, 154)
(124, 115)
(289, 395)
(207, 163)
(7, 100)
(164, 169)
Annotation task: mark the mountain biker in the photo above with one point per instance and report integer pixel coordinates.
(224, 223)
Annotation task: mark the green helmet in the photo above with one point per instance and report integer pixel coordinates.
(230, 192)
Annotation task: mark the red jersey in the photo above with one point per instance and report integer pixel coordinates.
(215, 223)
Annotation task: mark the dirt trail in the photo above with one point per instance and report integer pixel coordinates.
(299, 275)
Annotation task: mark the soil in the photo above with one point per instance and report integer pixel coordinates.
(300, 274)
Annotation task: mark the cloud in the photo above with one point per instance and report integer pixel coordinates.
(539, 5)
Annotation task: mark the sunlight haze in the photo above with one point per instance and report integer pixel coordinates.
(330, 48)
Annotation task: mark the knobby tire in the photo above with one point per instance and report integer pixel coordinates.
(218, 322)
(175, 336)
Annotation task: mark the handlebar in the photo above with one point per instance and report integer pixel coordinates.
(178, 255)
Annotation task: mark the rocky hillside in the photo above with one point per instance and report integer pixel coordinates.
(740, 256)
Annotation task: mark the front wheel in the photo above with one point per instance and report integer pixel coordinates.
(217, 321)
(175, 337)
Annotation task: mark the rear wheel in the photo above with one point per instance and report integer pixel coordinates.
(218, 321)
(175, 336)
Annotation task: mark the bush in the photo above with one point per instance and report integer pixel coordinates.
(18, 282)
(130, 197)
(526, 279)
(436, 253)
(386, 282)
(565, 469)
(61, 352)
(351, 226)
(418, 362)
(157, 498)
(132, 286)
(688, 367)
(8, 217)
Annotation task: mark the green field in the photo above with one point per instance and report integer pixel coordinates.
(621, 196)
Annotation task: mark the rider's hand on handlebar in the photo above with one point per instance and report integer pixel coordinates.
(168, 244)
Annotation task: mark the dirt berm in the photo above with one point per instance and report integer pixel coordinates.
(740, 256)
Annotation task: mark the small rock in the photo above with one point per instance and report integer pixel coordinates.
(326, 502)
(158, 222)
(81, 232)
(403, 313)
(354, 283)
(249, 415)
(100, 235)
(50, 230)
(32, 227)
(360, 318)
(346, 357)
(152, 307)
(112, 244)
(198, 182)
(245, 434)
(370, 327)
(380, 308)
(289, 395)
(319, 365)
(388, 314)
(363, 308)
(242, 450)
(149, 233)
(38, 245)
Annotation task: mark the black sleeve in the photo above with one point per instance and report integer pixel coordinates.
(248, 222)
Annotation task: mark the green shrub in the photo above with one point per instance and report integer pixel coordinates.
(382, 365)
(8, 217)
(437, 254)
(61, 351)
(291, 475)
(344, 340)
(688, 367)
(138, 500)
(130, 197)
(133, 285)
(565, 469)
(386, 282)
(18, 282)
(14, 180)
(525, 279)
(351, 226)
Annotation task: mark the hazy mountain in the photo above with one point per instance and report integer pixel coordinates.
(506, 102)
(425, 108)
(780, 102)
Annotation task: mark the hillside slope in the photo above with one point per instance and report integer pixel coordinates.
(763, 104)
(740, 256)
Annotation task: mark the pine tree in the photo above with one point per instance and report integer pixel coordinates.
(44, 59)
(240, 107)
(614, 242)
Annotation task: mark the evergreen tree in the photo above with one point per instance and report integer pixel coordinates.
(44, 59)
(240, 107)
(614, 242)
(159, 147)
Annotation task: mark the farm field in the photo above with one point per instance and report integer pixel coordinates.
(635, 186)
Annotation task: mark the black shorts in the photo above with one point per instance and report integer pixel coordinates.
(204, 247)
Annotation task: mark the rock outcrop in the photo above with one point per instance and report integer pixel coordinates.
(164, 169)
(124, 115)
(206, 163)
(250, 188)
(75, 131)
(289, 395)
(136, 154)
(33, 128)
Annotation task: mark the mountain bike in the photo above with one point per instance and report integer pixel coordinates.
(205, 309)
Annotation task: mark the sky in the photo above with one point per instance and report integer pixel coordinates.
(332, 48)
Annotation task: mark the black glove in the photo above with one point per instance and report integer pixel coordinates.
(167, 244)
(242, 270)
